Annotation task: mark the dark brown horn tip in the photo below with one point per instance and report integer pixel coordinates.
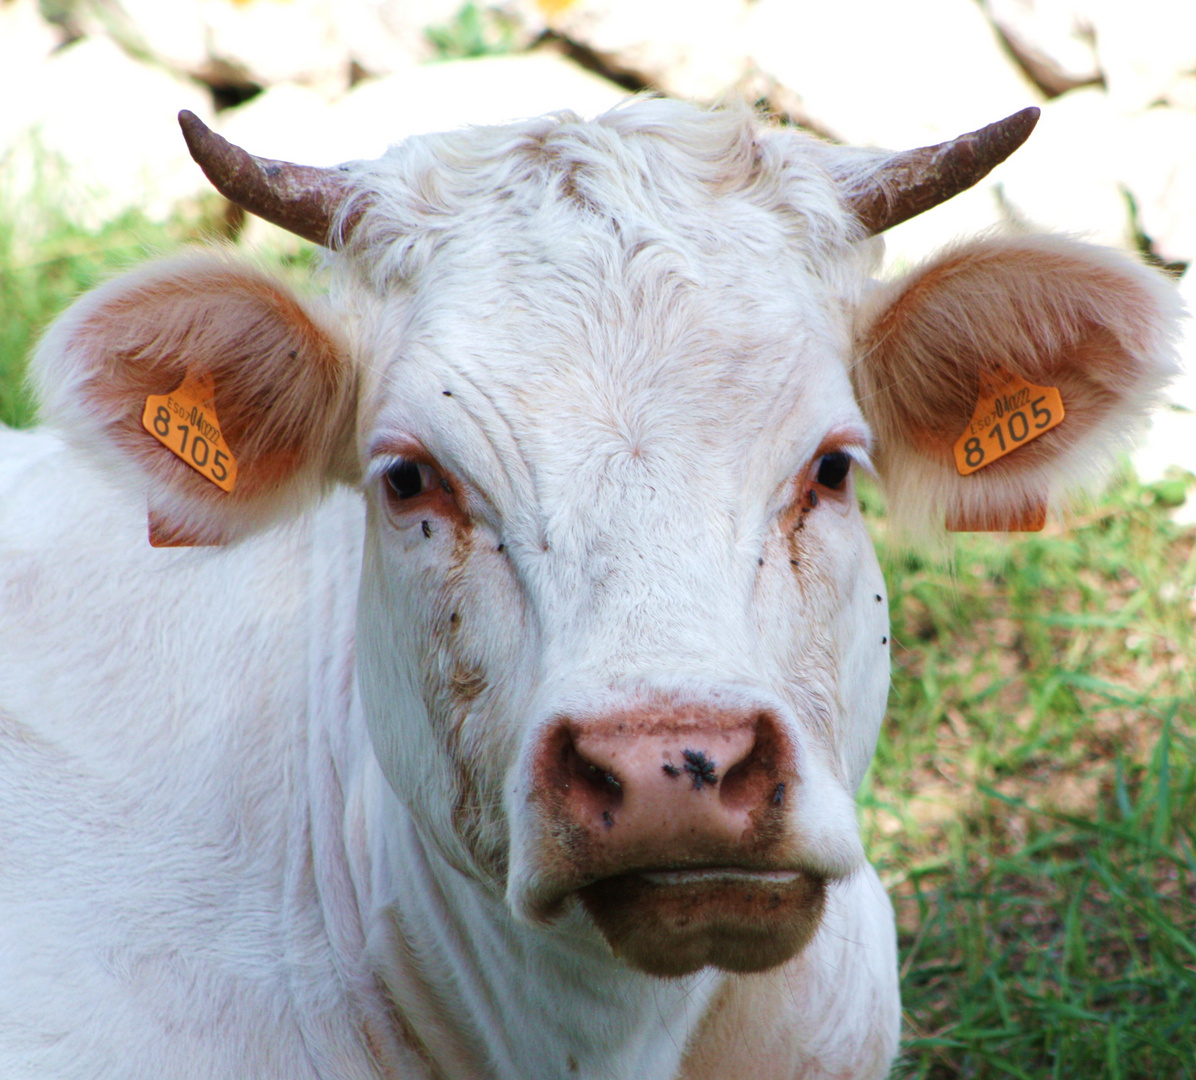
(298, 198)
(194, 130)
(995, 142)
(912, 182)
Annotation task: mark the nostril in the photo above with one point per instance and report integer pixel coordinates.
(591, 784)
(600, 779)
(756, 778)
(624, 776)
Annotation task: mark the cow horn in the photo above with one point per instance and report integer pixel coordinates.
(915, 180)
(298, 198)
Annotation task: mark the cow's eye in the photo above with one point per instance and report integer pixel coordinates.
(833, 469)
(407, 479)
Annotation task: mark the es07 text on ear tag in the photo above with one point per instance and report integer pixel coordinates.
(184, 421)
(1009, 413)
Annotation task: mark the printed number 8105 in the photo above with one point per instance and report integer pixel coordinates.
(194, 442)
(1008, 433)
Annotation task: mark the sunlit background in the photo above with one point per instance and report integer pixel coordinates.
(1033, 800)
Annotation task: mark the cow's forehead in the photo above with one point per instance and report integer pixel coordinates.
(610, 290)
(655, 169)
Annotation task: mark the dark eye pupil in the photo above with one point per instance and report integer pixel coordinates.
(833, 468)
(405, 479)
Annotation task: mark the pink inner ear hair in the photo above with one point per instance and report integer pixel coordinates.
(281, 388)
(1058, 313)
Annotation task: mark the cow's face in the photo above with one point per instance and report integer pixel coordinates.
(621, 622)
(605, 388)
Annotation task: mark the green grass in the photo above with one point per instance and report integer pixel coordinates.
(46, 260)
(1032, 806)
(35, 287)
(472, 32)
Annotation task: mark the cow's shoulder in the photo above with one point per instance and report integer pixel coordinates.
(152, 710)
(111, 646)
(182, 675)
(830, 1013)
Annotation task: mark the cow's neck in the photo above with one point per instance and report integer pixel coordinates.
(432, 961)
(488, 997)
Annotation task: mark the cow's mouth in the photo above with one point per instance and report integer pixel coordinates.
(672, 921)
(710, 874)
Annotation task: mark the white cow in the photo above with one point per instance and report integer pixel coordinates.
(505, 719)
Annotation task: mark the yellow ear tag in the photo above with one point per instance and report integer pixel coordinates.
(184, 421)
(1009, 413)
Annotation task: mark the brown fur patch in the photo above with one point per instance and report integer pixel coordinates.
(284, 390)
(972, 313)
(1032, 519)
(426, 1025)
(1055, 312)
(455, 686)
(274, 369)
(467, 684)
(407, 1035)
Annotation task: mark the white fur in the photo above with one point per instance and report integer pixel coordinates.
(231, 784)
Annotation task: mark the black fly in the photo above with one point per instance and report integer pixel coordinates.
(700, 768)
(608, 779)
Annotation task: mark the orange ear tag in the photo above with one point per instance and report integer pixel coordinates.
(1009, 413)
(184, 421)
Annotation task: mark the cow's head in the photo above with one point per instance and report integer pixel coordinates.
(605, 388)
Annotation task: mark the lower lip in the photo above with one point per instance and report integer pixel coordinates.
(729, 874)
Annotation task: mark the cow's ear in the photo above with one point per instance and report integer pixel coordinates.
(203, 347)
(997, 322)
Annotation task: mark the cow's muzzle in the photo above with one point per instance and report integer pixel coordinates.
(673, 922)
(669, 824)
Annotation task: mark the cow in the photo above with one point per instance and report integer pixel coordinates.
(488, 697)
